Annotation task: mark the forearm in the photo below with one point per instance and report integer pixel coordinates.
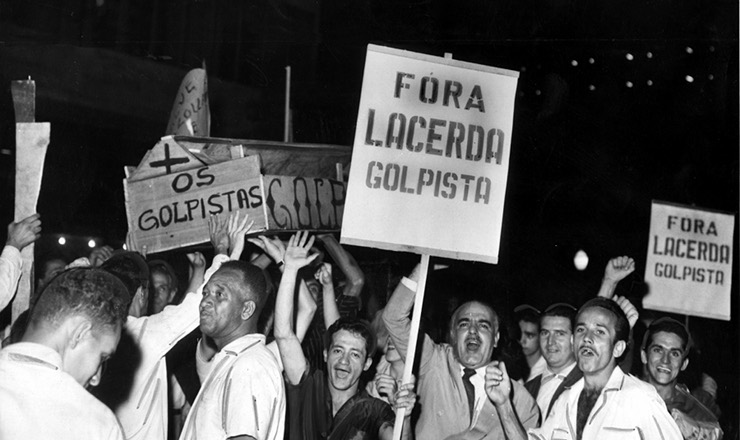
(510, 421)
(306, 311)
(331, 311)
(396, 317)
(347, 264)
(607, 288)
(291, 353)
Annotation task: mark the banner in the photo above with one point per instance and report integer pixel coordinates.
(431, 156)
(689, 261)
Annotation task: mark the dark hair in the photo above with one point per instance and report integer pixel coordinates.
(622, 326)
(91, 292)
(355, 326)
(668, 325)
(130, 268)
(527, 313)
(163, 267)
(562, 310)
(254, 281)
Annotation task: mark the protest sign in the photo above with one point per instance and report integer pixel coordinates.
(431, 156)
(190, 113)
(689, 261)
(172, 210)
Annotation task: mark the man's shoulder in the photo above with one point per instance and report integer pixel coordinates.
(633, 385)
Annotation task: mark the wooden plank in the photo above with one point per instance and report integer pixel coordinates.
(166, 157)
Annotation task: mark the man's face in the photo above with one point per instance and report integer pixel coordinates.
(594, 340)
(224, 304)
(528, 339)
(474, 334)
(51, 269)
(346, 360)
(84, 362)
(163, 291)
(664, 358)
(556, 342)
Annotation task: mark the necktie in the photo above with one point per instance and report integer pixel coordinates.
(469, 389)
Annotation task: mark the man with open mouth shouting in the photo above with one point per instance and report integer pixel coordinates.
(605, 403)
(452, 375)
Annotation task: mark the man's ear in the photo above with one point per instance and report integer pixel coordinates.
(495, 339)
(685, 364)
(248, 310)
(368, 362)
(619, 348)
(81, 329)
(643, 357)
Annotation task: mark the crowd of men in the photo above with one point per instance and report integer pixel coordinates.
(94, 357)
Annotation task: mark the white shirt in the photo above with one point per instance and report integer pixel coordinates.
(40, 401)
(550, 382)
(10, 273)
(479, 383)
(538, 368)
(244, 394)
(144, 414)
(627, 408)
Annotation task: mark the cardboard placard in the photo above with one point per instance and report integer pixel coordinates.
(689, 261)
(172, 211)
(431, 156)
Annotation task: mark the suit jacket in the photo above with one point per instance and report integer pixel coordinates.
(533, 386)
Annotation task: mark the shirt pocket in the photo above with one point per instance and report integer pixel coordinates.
(560, 434)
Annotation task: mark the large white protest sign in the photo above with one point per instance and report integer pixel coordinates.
(431, 156)
(689, 261)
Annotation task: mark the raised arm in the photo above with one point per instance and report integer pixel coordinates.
(20, 235)
(196, 271)
(331, 311)
(296, 256)
(347, 264)
(616, 270)
(498, 389)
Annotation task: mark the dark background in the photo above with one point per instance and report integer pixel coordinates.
(618, 104)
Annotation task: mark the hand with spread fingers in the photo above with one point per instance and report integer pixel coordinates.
(237, 228)
(24, 232)
(296, 254)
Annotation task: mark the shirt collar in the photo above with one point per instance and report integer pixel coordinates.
(564, 372)
(34, 353)
(239, 345)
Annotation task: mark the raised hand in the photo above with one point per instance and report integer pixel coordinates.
(99, 255)
(217, 229)
(628, 308)
(618, 268)
(236, 229)
(323, 275)
(498, 384)
(274, 247)
(24, 232)
(197, 261)
(296, 254)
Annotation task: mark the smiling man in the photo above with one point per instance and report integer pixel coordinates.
(451, 376)
(556, 344)
(331, 405)
(665, 353)
(73, 328)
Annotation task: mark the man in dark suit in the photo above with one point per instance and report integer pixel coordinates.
(556, 345)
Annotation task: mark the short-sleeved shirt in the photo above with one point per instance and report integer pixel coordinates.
(39, 400)
(244, 394)
(310, 412)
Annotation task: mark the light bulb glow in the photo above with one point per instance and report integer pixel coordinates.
(62, 241)
(91, 243)
(581, 260)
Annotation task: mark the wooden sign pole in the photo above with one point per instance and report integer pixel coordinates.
(413, 338)
(31, 140)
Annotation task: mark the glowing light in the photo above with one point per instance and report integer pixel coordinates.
(125, 248)
(711, 48)
(523, 69)
(649, 55)
(689, 79)
(629, 84)
(650, 82)
(689, 50)
(591, 61)
(574, 63)
(537, 92)
(581, 260)
(91, 244)
(629, 57)
(711, 77)
(592, 87)
(62, 241)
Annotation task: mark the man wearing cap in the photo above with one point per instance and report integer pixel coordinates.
(665, 351)
(73, 327)
(605, 403)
